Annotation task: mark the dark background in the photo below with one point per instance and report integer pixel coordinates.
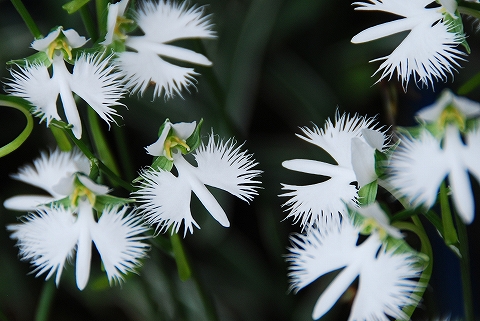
(277, 65)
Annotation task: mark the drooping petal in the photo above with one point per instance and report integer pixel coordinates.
(43, 43)
(74, 39)
(165, 201)
(47, 239)
(115, 10)
(417, 168)
(97, 189)
(386, 286)
(33, 83)
(363, 161)
(167, 21)
(85, 223)
(188, 173)
(224, 166)
(142, 69)
(95, 81)
(158, 148)
(118, 238)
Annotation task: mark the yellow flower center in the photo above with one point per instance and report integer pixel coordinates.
(59, 44)
(452, 115)
(118, 30)
(172, 142)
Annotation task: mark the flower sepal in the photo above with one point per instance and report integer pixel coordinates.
(162, 163)
(456, 26)
(194, 140)
(368, 193)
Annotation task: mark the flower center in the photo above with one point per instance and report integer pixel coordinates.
(174, 142)
(59, 44)
(119, 30)
(452, 115)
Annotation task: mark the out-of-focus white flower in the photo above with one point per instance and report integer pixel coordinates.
(387, 280)
(351, 142)
(116, 12)
(52, 236)
(377, 220)
(419, 166)
(54, 173)
(166, 198)
(163, 22)
(429, 52)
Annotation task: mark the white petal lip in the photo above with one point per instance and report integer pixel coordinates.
(50, 237)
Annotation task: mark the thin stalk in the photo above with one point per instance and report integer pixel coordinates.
(46, 298)
(18, 104)
(62, 140)
(27, 18)
(101, 9)
(100, 142)
(449, 233)
(465, 269)
(126, 159)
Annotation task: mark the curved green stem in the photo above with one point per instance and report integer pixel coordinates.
(27, 18)
(426, 248)
(46, 298)
(22, 106)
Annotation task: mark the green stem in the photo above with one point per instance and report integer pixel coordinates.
(95, 161)
(465, 269)
(101, 9)
(45, 302)
(22, 106)
(100, 142)
(426, 248)
(126, 159)
(449, 232)
(89, 23)
(27, 18)
(62, 140)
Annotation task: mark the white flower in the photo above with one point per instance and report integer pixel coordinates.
(92, 79)
(54, 173)
(59, 38)
(52, 235)
(432, 113)
(387, 280)
(164, 22)
(428, 52)
(418, 167)
(166, 197)
(352, 143)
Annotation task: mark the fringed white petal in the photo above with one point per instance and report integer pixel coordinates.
(387, 284)
(142, 69)
(427, 54)
(320, 251)
(167, 21)
(165, 201)
(95, 81)
(50, 170)
(417, 168)
(224, 165)
(47, 239)
(319, 203)
(33, 83)
(119, 238)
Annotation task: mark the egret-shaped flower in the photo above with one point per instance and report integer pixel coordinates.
(52, 235)
(162, 23)
(419, 166)
(92, 78)
(387, 280)
(429, 52)
(166, 198)
(55, 173)
(352, 142)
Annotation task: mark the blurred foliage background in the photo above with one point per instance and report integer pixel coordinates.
(277, 65)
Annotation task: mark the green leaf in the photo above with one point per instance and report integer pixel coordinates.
(368, 193)
(195, 140)
(101, 201)
(39, 58)
(183, 267)
(74, 6)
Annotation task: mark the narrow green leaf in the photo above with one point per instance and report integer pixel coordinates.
(195, 139)
(74, 6)
(39, 58)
